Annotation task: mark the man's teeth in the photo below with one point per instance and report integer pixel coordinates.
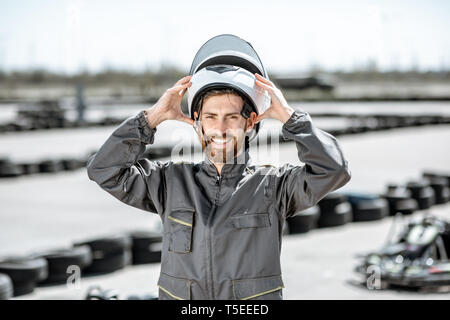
(218, 140)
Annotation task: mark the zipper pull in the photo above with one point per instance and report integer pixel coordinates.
(217, 180)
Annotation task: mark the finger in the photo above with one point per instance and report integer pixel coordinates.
(262, 116)
(262, 79)
(179, 87)
(263, 85)
(186, 120)
(183, 80)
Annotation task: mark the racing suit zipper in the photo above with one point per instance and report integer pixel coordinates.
(208, 241)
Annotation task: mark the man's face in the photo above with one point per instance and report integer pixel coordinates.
(224, 127)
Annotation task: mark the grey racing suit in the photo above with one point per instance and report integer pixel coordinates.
(222, 233)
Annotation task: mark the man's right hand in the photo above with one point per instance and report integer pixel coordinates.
(168, 107)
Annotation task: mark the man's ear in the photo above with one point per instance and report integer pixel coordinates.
(195, 114)
(251, 121)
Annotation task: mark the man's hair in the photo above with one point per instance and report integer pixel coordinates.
(219, 92)
(216, 92)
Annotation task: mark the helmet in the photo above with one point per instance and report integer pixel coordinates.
(227, 61)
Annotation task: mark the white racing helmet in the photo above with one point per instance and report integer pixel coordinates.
(224, 62)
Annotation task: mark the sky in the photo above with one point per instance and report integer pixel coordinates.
(73, 35)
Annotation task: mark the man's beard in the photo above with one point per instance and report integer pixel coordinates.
(222, 155)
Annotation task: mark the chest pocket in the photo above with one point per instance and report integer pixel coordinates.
(181, 225)
(251, 220)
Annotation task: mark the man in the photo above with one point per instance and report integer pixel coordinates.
(222, 218)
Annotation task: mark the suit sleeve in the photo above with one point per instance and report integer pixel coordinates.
(298, 187)
(119, 169)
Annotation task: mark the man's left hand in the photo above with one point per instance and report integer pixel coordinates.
(279, 108)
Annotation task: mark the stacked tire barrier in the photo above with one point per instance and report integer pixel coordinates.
(21, 275)
(61, 261)
(11, 169)
(48, 115)
(339, 208)
(108, 254)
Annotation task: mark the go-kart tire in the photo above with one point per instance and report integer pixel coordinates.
(340, 215)
(50, 166)
(405, 206)
(422, 193)
(304, 221)
(400, 200)
(24, 272)
(70, 164)
(22, 288)
(367, 207)
(9, 169)
(142, 257)
(370, 210)
(24, 269)
(330, 201)
(6, 287)
(29, 168)
(109, 263)
(146, 247)
(441, 189)
(59, 261)
(106, 245)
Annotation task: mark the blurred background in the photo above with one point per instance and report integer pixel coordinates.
(376, 74)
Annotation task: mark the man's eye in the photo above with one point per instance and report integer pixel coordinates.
(234, 117)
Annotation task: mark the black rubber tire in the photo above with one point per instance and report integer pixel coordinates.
(70, 164)
(146, 247)
(441, 189)
(106, 245)
(370, 210)
(59, 260)
(143, 257)
(50, 166)
(6, 287)
(405, 206)
(423, 193)
(304, 221)
(330, 201)
(109, 263)
(400, 200)
(29, 168)
(24, 269)
(23, 288)
(340, 215)
(367, 207)
(9, 169)
(144, 239)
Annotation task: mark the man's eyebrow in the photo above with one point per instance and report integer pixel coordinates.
(226, 114)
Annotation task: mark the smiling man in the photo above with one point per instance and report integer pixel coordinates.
(223, 217)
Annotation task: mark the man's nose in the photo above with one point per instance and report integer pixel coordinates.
(222, 128)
